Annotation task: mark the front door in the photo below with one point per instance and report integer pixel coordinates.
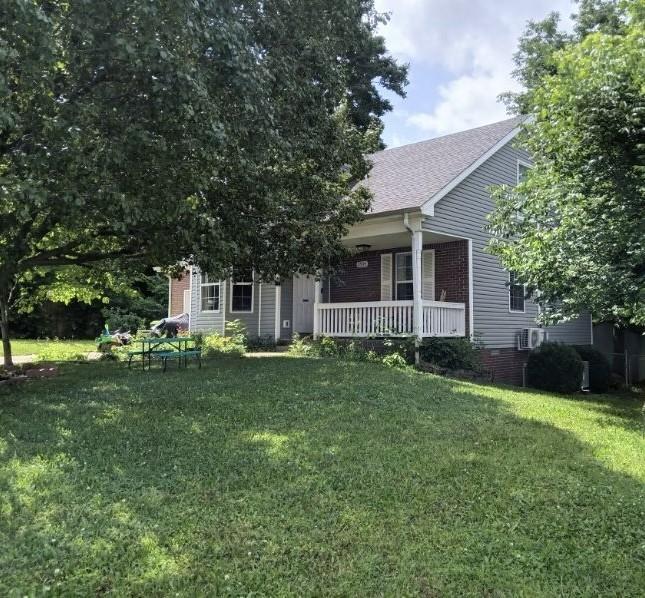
(303, 304)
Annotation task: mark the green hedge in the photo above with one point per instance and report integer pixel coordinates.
(554, 367)
(451, 353)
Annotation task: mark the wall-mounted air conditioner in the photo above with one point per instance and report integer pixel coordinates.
(530, 338)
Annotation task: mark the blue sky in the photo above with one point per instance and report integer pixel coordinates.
(460, 56)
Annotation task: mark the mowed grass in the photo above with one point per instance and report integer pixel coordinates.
(54, 349)
(284, 476)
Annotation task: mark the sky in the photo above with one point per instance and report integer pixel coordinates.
(460, 56)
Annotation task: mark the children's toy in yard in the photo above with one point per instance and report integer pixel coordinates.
(108, 339)
(170, 327)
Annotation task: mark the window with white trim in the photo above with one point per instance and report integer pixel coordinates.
(522, 171)
(242, 292)
(209, 292)
(516, 294)
(403, 277)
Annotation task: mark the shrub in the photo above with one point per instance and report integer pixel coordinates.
(350, 350)
(233, 344)
(555, 367)
(395, 360)
(301, 346)
(451, 353)
(236, 330)
(599, 369)
(261, 343)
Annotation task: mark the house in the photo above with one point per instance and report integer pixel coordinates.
(418, 263)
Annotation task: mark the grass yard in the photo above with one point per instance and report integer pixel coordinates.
(284, 476)
(45, 349)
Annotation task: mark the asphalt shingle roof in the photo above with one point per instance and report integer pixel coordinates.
(406, 177)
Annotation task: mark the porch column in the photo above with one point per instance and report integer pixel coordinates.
(316, 302)
(417, 289)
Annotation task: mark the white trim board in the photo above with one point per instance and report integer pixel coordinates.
(427, 208)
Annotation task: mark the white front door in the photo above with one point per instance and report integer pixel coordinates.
(303, 304)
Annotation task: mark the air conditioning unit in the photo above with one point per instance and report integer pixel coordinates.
(585, 376)
(530, 338)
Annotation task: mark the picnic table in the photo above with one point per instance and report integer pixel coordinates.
(177, 348)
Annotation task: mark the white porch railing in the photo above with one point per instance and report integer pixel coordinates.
(441, 318)
(389, 318)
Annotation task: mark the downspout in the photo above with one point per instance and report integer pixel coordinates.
(260, 309)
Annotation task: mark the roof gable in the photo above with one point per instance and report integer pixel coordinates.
(409, 176)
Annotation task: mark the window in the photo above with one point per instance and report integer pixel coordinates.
(516, 293)
(522, 170)
(403, 273)
(242, 292)
(209, 293)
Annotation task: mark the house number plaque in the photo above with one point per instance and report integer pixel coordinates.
(362, 264)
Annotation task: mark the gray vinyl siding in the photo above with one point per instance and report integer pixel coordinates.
(286, 308)
(575, 332)
(462, 213)
(204, 321)
(259, 322)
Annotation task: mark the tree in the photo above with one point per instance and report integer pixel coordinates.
(223, 131)
(538, 45)
(580, 235)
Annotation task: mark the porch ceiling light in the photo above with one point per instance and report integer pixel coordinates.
(362, 247)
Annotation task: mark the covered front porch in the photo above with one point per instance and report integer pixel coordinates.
(401, 279)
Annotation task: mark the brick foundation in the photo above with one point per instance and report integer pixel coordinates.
(177, 288)
(505, 365)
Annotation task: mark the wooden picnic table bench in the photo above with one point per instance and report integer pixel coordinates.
(166, 348)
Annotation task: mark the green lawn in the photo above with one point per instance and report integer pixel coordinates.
(57, 350)
(284, 476)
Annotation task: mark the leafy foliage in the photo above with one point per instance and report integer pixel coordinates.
(451, 353)
(224, 132)
(599, 368)
(391, 352)
(231, 344)
(538, 46)
(580, 236)
(555, 367)
(146, 301)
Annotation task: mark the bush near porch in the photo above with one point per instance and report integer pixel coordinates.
(285, 476)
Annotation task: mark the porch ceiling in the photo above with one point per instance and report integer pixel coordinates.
(394, 240)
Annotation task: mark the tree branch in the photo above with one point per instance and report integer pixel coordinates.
(82, 258)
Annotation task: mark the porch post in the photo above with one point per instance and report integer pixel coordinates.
(316, 302)
(417, 292)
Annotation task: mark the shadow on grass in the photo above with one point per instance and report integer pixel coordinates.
(292, 476)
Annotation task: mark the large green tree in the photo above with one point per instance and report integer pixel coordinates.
(142, 132)
(574, 229)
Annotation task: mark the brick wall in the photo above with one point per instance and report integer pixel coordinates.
(177, 288)
(505, 365)
(364, 284)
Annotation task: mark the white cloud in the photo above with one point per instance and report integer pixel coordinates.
(473, 42)
(465, 102)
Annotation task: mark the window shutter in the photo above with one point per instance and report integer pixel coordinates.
(386, 277)
(428, 274)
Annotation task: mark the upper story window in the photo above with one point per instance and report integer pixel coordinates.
(209, 292)
(522, 170)
(403, 277)
(516, 294)
(242, 291)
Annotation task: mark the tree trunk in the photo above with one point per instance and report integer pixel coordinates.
(4, 328)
